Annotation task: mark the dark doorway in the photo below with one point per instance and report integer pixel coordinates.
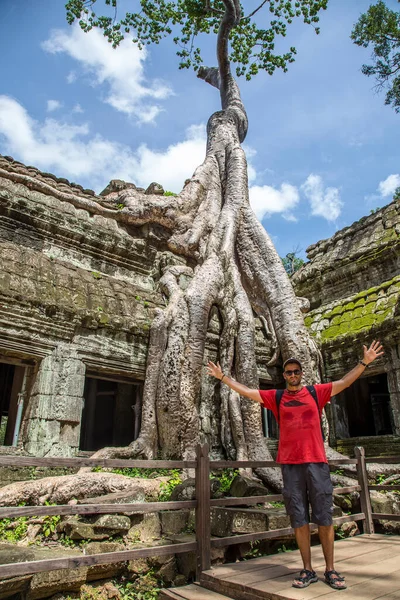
(270, 426)
(11, 381)
(111, 413)
(367, 404)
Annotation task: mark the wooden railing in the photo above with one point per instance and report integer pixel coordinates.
(202, 505)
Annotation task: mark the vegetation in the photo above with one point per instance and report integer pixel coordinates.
(379, 28)
(252, 44)
(292, 263)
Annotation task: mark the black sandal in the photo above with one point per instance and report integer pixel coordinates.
(306, 577)
(334, 581)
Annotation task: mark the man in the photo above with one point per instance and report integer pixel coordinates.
(301, 452)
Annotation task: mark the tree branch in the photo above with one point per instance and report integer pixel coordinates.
(255, 11)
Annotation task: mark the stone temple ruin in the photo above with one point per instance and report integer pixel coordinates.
(78, 295)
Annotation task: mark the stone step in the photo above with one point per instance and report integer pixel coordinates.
(191, 592)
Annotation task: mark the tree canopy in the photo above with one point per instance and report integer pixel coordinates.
(379, 28)
(252, 41)
(292, 262)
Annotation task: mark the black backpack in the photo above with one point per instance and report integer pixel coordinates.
(311, 389)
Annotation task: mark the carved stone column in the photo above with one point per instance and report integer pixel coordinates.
(54, 416)
(392, 367)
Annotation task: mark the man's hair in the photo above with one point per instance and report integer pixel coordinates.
(292, 360)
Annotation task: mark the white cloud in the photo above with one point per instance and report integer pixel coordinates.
(266, 200)
(388, 186)
(71, 151)
(77, 108)
(71, 77)
(120, 72)
(325, 202)
(53, 105)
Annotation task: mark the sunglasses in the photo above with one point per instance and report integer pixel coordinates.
(295, 372)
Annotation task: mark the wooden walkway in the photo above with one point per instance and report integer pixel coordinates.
(370, 563)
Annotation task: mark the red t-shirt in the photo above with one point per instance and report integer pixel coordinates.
(300, 439)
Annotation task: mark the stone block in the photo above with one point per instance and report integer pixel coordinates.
(17, 585)
(147, 530)
(246, 486)
(381, 503)
(104, 571)
(227, 521)
(174, 521)
(277, 519)
(44, 585)
(115, 523)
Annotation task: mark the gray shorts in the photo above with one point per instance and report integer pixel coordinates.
(304, 485)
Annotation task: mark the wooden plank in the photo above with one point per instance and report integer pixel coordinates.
(88, 509)
(30, 461)
(344, 549)
(385, 516)
(275, 571)
(365, 501)
(203, 521)
(385, 488)
(195, 592)
(358, 570)
(233, 501)
(383, 459)
(276, 533)
(342, 461)
(242, 464)
(371, 581)
(282, 585)
(41, 566)
(346, 490)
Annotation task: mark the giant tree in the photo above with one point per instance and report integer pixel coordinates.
(231, 270)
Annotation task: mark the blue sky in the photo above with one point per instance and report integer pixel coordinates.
(323, 148)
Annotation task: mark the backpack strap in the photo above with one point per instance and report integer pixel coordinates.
(278, 398)
(313, 393)
(311, 389)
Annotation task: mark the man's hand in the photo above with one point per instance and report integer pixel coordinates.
(214, 370)
(374, 351)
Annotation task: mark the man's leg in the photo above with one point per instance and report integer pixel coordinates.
(327, 536)
(296, 502)
(303, 540)
(320, 494)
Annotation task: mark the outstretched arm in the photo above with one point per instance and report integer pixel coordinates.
(370, 354)
(243, 390)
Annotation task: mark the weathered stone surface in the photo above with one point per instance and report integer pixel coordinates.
(228, 521)
(41, 585)
(44, 585)
(349, 529)
(16, 585)
(155, 188)
(277, 519)
(101, 528)
(104, 571)
(117, 523)
(174, 521)
(185, 490)
(382, 503)
(245, 486)
(147, 530)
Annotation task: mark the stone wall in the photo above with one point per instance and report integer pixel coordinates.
(78, 293)
(352, 281)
